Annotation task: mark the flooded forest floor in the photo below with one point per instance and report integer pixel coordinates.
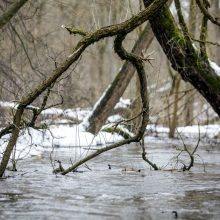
(122, 192)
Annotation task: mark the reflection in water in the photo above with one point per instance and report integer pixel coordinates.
(103, 193)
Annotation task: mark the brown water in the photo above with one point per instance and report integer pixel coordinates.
(35, 193)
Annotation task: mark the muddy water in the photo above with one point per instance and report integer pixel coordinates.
(35, 193)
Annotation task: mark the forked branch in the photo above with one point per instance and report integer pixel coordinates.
(138, 64)
(203, 5)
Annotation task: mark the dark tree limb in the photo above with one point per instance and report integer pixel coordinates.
(138, 64)
(185, 59)
(181, 19)
(204, 9)
(155, 167)
(203, 37)
(191, 154)
(76, 31)
(6, 130)
(105, 105)
(205, 42)
(11, 12)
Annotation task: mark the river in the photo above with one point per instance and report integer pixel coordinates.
(102, 193)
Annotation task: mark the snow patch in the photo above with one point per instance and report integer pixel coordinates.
(165, 87)
(194, 46)
(8, 104)
(123, 103)
(33, 142)
(85, 123)
(209, 131)
(215, 67)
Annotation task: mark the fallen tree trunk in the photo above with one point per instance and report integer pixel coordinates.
(105, 105)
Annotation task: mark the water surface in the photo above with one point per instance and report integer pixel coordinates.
(102, 193)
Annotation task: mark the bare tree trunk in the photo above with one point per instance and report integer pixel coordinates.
(10, 13)
(217, 30)
(174, 117)
(116, 89)
(136, 108)
(189, 100)
(12, 141)
(101, 51)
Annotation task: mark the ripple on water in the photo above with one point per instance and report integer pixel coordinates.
(113, 194)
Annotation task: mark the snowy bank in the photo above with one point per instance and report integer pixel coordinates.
(209, 131)
(64, 134)
(32, 142)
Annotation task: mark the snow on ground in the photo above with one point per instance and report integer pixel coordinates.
(32, 142)
(209, 131)
(76, 113)
(8, 104)
(63, 134)
(123, 103)
(215, 67)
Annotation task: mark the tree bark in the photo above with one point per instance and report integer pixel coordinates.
(189, 99)
(217, 30)
(174, 115)
(10, 13)
(12, 141)
(185, 59)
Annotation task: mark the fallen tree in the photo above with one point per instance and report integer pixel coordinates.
(105, 105)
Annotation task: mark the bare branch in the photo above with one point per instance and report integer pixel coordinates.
(203, 36)
(206, 42)
(10, 13)
(203, 7)
(73, 30)
(181, 19)
(138, 64)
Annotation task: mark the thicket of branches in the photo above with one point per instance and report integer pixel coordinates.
(178, 43)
